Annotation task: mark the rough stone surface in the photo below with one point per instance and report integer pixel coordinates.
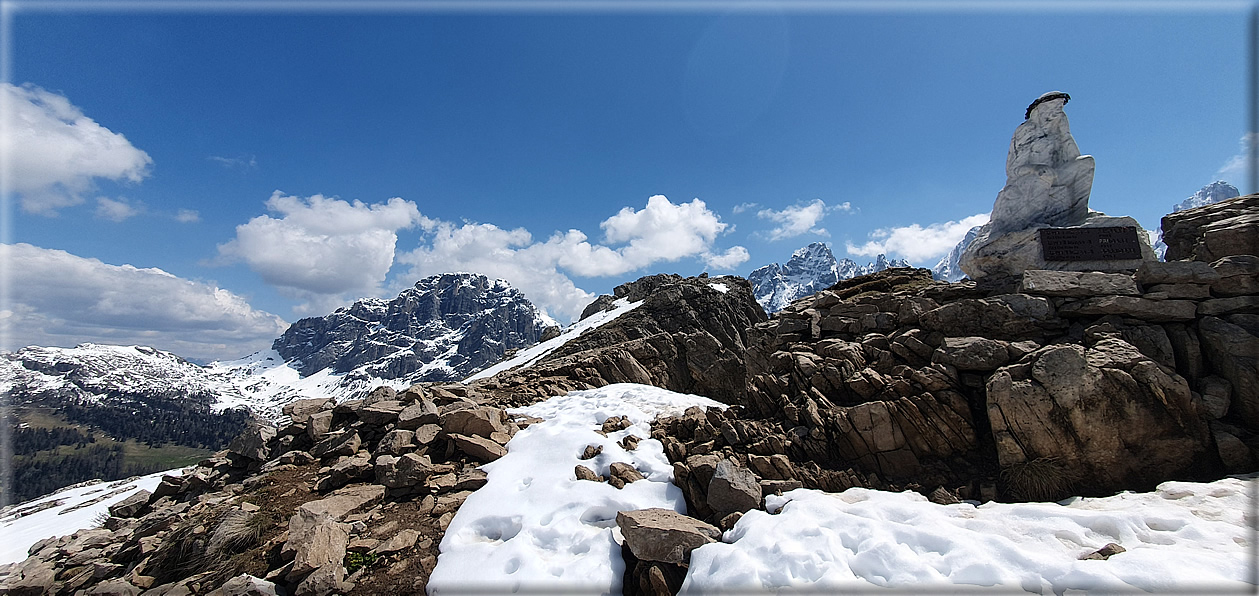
(405, 471)
(1077, 284)
(1239, 275)
(480, 448)
(132, 505)
(972, 353)
(664, 535)
(337, 504)
(1230, 349)
(733, 489)
(245, 585)
(475, 422)
(1176, 272)
(254, 443)
(1100, 419)
(1212, 232)
(1130, 306)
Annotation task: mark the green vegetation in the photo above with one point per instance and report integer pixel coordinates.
(356, 561)
(51, 452)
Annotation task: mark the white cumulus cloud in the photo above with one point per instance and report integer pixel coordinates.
(60, 299)
(796, 220)
(53, 153)
(320, 246)
(917, 243)
(1236, 169)
(737, 255)
(660, 232)
(117, 209)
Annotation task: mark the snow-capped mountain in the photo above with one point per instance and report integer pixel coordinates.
(1212, 193)
(445, 328)
(810, 269)
(949, 268)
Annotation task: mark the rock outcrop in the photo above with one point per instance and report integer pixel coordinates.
(689, 335)
(1214, 231)
(445, 328)
(1065, 383)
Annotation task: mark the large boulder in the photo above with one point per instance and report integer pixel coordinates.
(664, 535)
(1096, 420)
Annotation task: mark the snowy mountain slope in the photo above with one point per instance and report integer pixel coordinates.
(65, 512)
(1210, 194)
(949, 268)
(810, 270)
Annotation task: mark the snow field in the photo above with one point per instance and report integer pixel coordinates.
(534, 526)
(69, 516)
(1185, 537)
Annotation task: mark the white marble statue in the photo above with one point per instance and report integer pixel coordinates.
(1047, 186)
(1047, 180)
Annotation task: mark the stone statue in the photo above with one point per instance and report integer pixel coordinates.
(1047, 180)
(1047, 185)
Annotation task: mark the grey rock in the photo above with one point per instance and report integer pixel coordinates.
(1231, 349)
(405, 471)
(972, 353)
(318, 541)
(380, 413)
(1214, 231)
(1239, 275)
(733, 489)
(345, 443)
(418, 414)
(477, 422)
(480, 448)
(341, 502)
(299, 411)
(401, 541)
(318, 424)
(1176, 272)
(254, 443)
(132, 505)
(664, 535)
(1077, 284)
(1129, 306)
(395, 442)
(245, 585)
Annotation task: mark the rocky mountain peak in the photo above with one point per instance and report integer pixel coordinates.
(443, 328)
(810, 269)
(1212, 193)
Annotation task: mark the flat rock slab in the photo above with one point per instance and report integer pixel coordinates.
(1137, 308)
(664, 535)
(346, 500)
(1077, 284)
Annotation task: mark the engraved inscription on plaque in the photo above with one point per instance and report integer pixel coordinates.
(1090, 244)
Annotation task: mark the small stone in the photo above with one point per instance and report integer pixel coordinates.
(591, 451)
(1105, 552)
(584, 473)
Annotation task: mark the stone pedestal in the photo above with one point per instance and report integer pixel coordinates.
(1013, 252)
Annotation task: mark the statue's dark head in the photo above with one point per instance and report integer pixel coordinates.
(1044, 98)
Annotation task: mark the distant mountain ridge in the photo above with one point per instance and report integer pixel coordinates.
(810, 270)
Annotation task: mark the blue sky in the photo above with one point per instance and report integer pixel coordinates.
(255, 157)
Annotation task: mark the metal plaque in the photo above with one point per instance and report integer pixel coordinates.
(1090, 244)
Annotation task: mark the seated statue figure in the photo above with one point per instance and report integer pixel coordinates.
(1047, 180)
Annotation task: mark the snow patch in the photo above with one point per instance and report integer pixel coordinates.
(720, 287)
(1184, 537)
(533, 526)
(67, 511)
(532, 354)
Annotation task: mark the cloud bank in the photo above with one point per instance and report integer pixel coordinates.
(916, 243)
(1236, 169)
(53, 153)
(320, 249)
(59, 299)
(660, 232)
